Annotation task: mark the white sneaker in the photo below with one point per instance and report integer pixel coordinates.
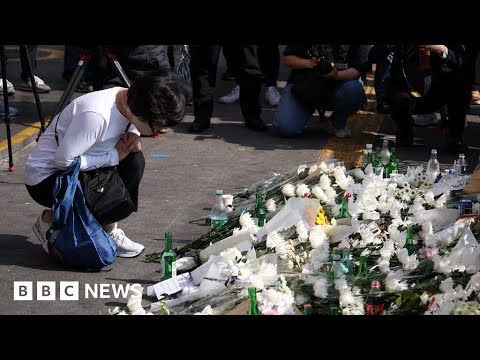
(231, 98)
(40, 229)
(343, 133)
(426, 119)
(10, 88)
(272, 95)
(125, 247)
(41, 86)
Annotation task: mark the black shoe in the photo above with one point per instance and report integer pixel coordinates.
(456, 145)
(382, 106)
(84, 87)
(198, 128)
(257, 125)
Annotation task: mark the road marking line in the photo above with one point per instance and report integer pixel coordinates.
(21, 136)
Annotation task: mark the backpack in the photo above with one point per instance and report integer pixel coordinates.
(76, 238)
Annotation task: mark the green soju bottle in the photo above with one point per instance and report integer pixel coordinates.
(167, 263)
(253, 308)
(377, 163)
(307, 309)
(362, 267)
(259, 214)
(409, 244)
(392, 166)
(343, 214)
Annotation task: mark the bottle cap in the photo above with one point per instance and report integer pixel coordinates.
(368, 146)
(219, 192)
(375, 284)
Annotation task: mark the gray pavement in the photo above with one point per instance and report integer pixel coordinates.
(175, 190)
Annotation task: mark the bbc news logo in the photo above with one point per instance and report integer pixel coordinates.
(67, 290)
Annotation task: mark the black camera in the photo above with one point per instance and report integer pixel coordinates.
(324, 67)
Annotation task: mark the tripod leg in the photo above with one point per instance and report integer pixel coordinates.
(7, 112)
(67, 94)
(119, 70)
(34, 87)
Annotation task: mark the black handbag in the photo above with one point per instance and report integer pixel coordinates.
(105, 195)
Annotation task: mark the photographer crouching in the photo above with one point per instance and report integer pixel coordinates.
(422, 79)
(323, 77)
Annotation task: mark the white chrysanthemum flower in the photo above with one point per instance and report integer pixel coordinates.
(302, 231)
(303, 190)
(384, 265)
(333, 222)
(236, 230)
(446, 285)
(288, 190)
(441, 264)
(409, 262)
(388, 249)
(312, 169)
(281, 249)
(427, 229)
(318, 237)
(320, 288)
(331, 195)
(371, 215)
(275, 302)
(424, 298)
(301, 299)
(232, 254)
(369, 170)
(430, 198)
(325, 182)
(323, 167)
(273, 239)
(246, 220)
(365, 252)
(206, 311)
(319, 256)
(319, 194)
(114, 311)
(441, 201)
(393, 281)
(474, 284)
(270, 205)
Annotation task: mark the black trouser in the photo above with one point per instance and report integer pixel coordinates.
(32, 54)
(452, 89)
(130, 170)
(268, 58)
(203, 68)
(204, 73)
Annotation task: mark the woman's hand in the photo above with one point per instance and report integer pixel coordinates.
(438, 49)
(129, 142)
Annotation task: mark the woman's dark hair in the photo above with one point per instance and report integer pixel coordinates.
(159, 98)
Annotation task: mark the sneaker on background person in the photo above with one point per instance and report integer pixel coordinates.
(343, 133)
(476, 97)
(10, 88)
(272, 95)
(125, 247)
(426, 119)
(232, 97)
(41, 86)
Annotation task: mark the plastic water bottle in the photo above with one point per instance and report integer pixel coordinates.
(367, 156)
(219, 212)
(433, 167)
(385, 153)
(462, 163)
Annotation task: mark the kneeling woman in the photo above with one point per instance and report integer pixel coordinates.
(343, 90)
(103, 128)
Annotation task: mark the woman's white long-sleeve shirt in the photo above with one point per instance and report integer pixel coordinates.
(89, 127)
